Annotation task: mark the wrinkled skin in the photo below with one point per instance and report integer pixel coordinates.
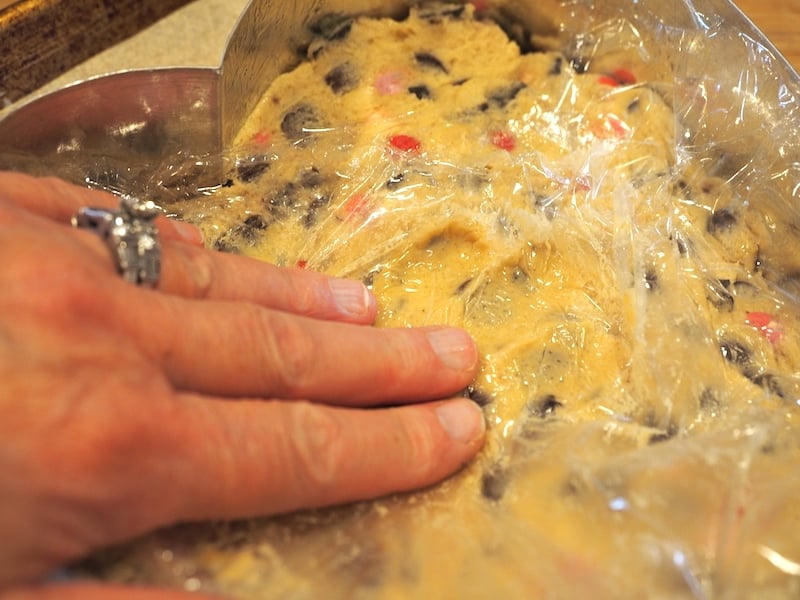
(233, 389)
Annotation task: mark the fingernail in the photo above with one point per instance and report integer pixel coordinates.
(188, 232)
(454, 348)
(351, 297)
(462, 420)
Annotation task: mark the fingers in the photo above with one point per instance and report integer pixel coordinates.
(194, 272)
(191, 271)
(50, 197)
(254, 458)
(244, 350)
(58, 200)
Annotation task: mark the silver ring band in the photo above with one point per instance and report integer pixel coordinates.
(131, 236)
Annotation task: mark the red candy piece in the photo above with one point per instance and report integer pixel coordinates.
(607, 80)
(503, 140)
(617, 78)
(262, 138)
(624, 77)
(609, 126)
(583, 183)
(405, 143)
(767, 324)
(357, 206)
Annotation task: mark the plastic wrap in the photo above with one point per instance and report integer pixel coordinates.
(613, 215)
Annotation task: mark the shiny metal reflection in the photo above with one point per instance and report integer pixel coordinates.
(134, 119)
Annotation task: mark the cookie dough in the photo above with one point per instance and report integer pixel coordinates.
(636, 314)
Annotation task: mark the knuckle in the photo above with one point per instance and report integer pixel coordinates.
(423, 448)
(303, 294)
(76, 295)
(290, 354)
(408, 363)
(318, 448)
(198, 269)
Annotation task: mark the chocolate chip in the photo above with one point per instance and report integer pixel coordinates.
(463, 286)
(709, 402)
(299, 121)
(751, 372)
(251, 168)
(342, 79)
(512, 26)
(473, 179)
(316, 204)
(545, 407)
(651, 280)
(662, 436)
(429, 61)
(333, 26)
(311, 178)
(547, 205)
(574, 485)
(721, 221)
(249, 231)
(734, 352)
(789, 284)
(422, 92)
(279, 204)
(330, 29)
(225, 245)
(580, 64)
(396, 181)
(683, 189)
(479, 397)
(518, 275)
(708, 187)
(719, 297)
(727, 166)
(682, 245)
(502, 96)
(770, 383)
(558, 66)
(494, 483)
(369, 279)
(758, 262)
(436, 12)
(255, 222)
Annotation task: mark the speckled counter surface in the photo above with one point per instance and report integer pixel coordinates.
(194, 35)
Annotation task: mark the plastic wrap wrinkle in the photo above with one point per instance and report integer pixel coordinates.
(616, 224)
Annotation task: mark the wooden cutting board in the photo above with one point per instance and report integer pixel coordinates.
(780, 22)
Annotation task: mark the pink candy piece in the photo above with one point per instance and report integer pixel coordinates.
(391, 82)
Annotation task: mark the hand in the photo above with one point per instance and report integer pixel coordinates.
(233, 389)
